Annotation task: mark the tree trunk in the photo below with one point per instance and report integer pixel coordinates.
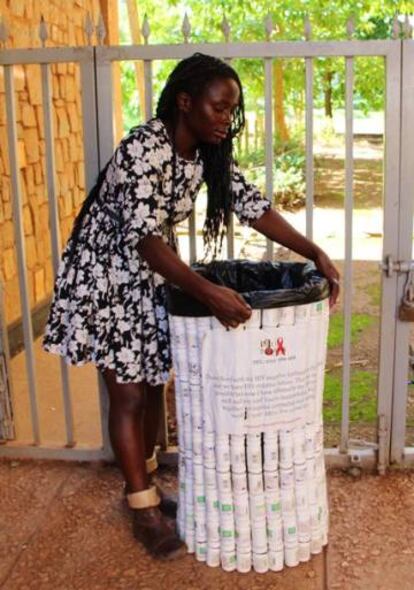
(279, 113)
(328, 94)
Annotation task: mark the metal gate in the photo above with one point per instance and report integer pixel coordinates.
(96, 70)
(397, 265)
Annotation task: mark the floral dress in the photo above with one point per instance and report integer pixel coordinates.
(109, 307)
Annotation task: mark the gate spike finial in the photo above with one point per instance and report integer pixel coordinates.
(407, 27)
(396, 27)
(43, 34)
(186, 28)
(269, 28)
(225, 27)
(3, 32)
(145, 30)
(89, 28)
(308, 28)
(350, 27)
(100, 30)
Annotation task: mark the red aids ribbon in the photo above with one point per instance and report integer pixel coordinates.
(280, 348)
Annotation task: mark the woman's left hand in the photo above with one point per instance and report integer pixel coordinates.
(325, 265)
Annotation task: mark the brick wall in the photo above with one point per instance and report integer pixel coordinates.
(65, 20)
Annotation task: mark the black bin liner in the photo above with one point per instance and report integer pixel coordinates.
(263, 285)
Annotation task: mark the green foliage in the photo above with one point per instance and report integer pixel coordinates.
(372, 18)
(131, 110)
(288, 172)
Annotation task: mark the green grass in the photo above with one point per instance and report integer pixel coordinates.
(374, 291)
(359, 322)
(363, 398)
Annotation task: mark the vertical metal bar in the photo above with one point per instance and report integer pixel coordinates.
(269, 141)
(389, 301)
(104, 407)
(192, 232)
(54, 232)
(230, 237)
(90, 120)
(309, 146)
(162, 434)
(162, 437)
(349, 173)
(104, 106)
(102, 80)
(402, 334)
(7, 429)
(148, 88)
(230, 227)
(20, 247)
(192, 236)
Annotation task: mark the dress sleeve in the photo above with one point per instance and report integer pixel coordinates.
(138, 174)
(248, 202)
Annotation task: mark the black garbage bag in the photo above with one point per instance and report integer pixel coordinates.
(263, 285)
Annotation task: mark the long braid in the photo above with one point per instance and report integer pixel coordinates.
(191, 75)
(86, 205)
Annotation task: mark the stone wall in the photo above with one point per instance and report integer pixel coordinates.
(65, 20)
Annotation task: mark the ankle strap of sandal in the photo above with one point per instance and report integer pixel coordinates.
(151, 464)
(145, 499)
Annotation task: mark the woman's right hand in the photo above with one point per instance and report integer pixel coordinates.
(228, 306)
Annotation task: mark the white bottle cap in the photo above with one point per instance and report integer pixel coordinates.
(260, 562)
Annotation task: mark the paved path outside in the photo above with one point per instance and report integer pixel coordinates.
(63, 527)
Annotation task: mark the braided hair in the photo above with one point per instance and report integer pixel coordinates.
(192, 75)
(86, 205)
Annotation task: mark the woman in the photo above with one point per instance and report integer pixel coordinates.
(109, 302)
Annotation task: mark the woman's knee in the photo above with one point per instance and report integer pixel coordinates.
(128, 397)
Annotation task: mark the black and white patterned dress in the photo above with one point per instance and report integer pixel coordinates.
(109, 306)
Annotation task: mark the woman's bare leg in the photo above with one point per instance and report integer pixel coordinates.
(126, 429)
(153, 409)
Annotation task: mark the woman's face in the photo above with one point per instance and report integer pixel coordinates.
(210, 114)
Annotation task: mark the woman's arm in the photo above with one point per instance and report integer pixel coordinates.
(272, 225)
(253, 209)
(227, 305)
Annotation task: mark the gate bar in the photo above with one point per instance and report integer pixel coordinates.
(230, 229)
(260, 50)
(402, 334)
(20, 247)
(347, 310)
(55, 232)
(309, 146)
(268, 63)
(392, 135)
(162, 434)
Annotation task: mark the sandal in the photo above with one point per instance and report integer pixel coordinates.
(168, 503)
(152, 529)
